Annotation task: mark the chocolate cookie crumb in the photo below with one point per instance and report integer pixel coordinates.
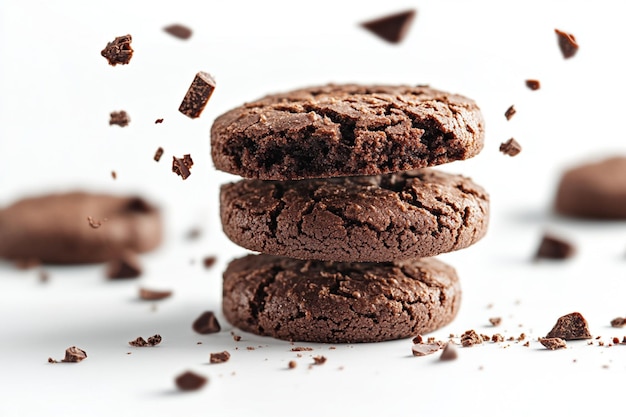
(114, 175)
(392, 28)
(119, 51)
(533, 84)
(120, 118)
(423, 349)
(206, 324)
(319, 360)
(495, 321)
(449, 353)
(74, 354)
(510, 112)
(567, 43)
(209, 261)
(497, 338)
(511, 147)
(570, 327)
(220, 357)
(125, 267)
(553, 343)
(198, 95)
(418, 339)
(292, 364)
(301, 349)
(158, 154)
(158, 121)
(152, 295)
(154, 340)
(618, 322)
(178, 31)
(181, 166)
(552, 247)
(190, 381)
(139, 342)
(527, 344)
(470, 338)
(236, 337)
(250, 348)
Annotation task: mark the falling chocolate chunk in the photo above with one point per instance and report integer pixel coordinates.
(319, 360)
(206, 324)
(570, 327)
(198, 95)
(510, 112)
(126, 266)
(618, 322)
(158, 154)
(209, 261)
(178, 31)
(74, 354)
(533, 84)
(392, 28)
(423, 349)
(182, 166)
(114, 175)
(495, 321)
(219, 357)
(119, 51)
(157, 121)
(120, 118)
(190, 381)
(567, 43)
(552, 247)
(553, 343)
(511, 147)
(152, 295)
(449, 353)
(292, 364)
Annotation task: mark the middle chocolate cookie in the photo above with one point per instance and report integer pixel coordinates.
(378, 218)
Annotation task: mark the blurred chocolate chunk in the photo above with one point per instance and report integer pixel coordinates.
(533, 84)
(219, 357)
(198, 95)
(209, 261)
(567, 43)
(120, 118)
(207, 323)
(158, 154)
(114, 175)
(423, 349)
(553, 343)
(124, 267)
(190, 381)
(119, 51)
(618, 322)
(392, 28)
(152, 295)
(182, 166)
(319, 360)
(552, 247)
(449, 353)
(511, 147)
(157, 121)
(570, 327)
(178, 31)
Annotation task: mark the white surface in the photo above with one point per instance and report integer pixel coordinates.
(56, 92)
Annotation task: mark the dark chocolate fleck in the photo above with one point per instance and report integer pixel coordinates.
(114, 175)
(552, 247)
(152, 295)
(220, 357)
(209, 261)
(392, 28)
(567, 43)
(119, 51)
(207, 323)
(181, 166)
(158, 154)
(418, 339)
(533, 84)
(301, 349)
(198, 95)
(510, 112)
(570, 327)
(553, 343)
(190, 381)
(120, 118)
(157, 121)
(511, 147)
(179, 31)
(449, 353)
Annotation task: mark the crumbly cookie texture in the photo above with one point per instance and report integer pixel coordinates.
(356, 219)
(331, 302)
(346, 130)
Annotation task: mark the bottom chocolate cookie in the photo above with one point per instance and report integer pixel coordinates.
(336, 302)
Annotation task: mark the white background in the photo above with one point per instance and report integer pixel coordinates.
(56, 93)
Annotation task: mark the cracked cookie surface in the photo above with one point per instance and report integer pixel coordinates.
(346, 130)
(335, 302)
(381, 218)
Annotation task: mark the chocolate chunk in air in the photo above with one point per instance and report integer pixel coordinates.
(219, 357)
(618, 322)
(207, 323)
(153, 295)
(119, 51)
(182, 166)
(567, 43)
(449, 353)
(120, 118)
(189, 381)
(552, 247)
(392, 28)
(178, 31)
(570, 327)
(533, 84)
(511, 147)
(510, 112)
(158, 154)
(198, 95)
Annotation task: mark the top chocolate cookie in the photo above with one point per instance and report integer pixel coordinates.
(346, 130)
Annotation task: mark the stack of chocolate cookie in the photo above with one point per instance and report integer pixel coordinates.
(345, 217)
